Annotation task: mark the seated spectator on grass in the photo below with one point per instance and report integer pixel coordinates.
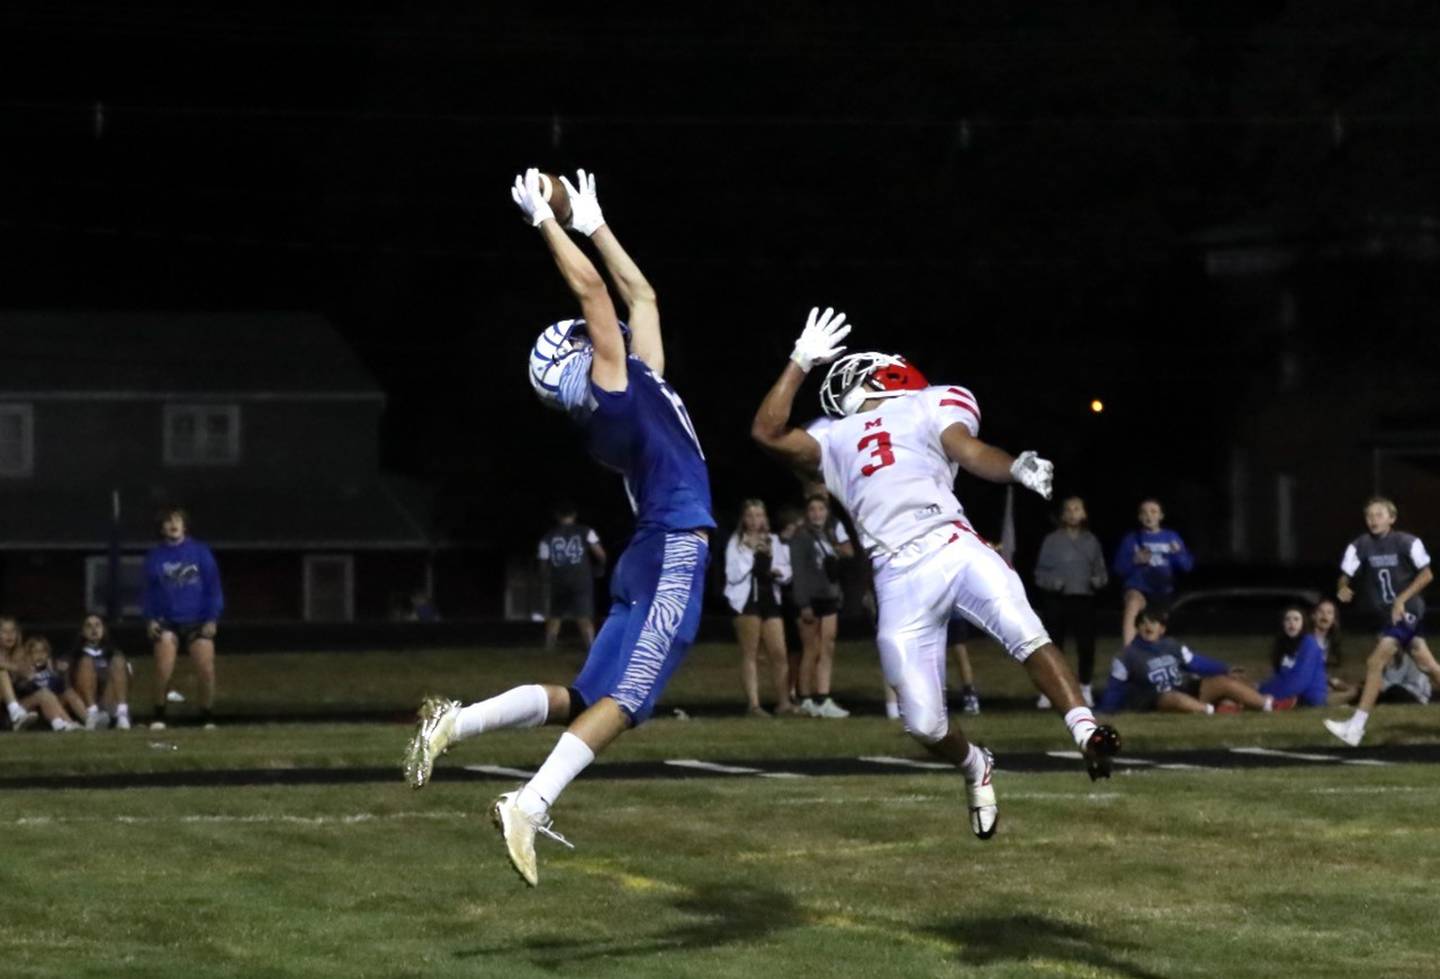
(1403, 682)
(1156, 673)
(100, 677)
(19, 717)
(1325, 619)
(1298, 660)
(39, 686)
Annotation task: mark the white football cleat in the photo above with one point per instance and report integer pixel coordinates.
(828, 708)
(984, 813)
(518, 829)
(1346, 732)
(435, 734)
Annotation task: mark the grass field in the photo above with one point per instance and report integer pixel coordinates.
(1314, 870)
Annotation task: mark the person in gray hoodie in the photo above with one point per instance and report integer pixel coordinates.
(1070, 569)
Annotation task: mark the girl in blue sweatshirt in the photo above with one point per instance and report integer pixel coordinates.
(183, 602)
(1299, 662)
(1146, 562)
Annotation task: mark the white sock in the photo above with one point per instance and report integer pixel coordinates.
(1358, 719)
(1209, 708)
(569, 759)
(892, 710)
(1081, 722)
(59, 724)
(122, 710)
(974, 765)
(92, 710)
(527, 706)
(1269, 703)
(16, 711)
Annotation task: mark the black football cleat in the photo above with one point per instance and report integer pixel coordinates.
(1104, 744)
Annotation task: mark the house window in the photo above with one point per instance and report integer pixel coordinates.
(329, 588)
(202, 435)
(17, 440)
(131, 597)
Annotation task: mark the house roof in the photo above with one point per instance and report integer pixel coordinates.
(238, 356)
(376, 515)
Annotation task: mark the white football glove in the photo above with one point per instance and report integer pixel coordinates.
(1033, 473)
(585, 216)
(527, 196)
(819, 342)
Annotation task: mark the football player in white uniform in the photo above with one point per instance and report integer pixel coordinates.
(889, 452)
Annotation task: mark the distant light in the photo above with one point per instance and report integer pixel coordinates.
(1097, 406)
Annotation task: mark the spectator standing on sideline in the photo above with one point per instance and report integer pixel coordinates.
(757, 562)
(100, 677)
(20, 718)
(790, 520)
(1070, 569)
(1394, 568)
(571, 558)
(815, 559)
(183, 602)
(1146, 562)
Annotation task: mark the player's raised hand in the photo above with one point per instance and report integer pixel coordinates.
(585, 216)
(527, 196)
(819, 342)
(1033, 473)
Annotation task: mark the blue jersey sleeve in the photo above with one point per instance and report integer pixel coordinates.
(1202, 665)
(1180, 558)
(214, 597)
(1114, 696)
(1125, 555)
(1305, 679)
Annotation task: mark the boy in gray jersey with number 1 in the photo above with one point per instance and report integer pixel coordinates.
(1393, 568)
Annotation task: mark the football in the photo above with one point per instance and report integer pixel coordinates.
(554, 193)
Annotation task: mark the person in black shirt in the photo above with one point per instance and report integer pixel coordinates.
(571, 558)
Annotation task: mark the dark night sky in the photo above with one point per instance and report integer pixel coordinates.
(1016, 200)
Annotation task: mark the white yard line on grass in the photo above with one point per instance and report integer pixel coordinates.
(710, 766)
(1274, 753)
(341, 820)
(500, 770)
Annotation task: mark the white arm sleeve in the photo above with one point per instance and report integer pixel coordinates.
(1418, 555)
(1350, 563)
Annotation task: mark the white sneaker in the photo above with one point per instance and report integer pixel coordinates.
(831, 710)
(518, 829)
(809, 708)
(24, 719)
(1042, 702)
(433, 737)
(1346, 732)
(1087, 694)
(984, 813)
(157, 725)
(69, 726)
(175, 696)
(98, 721)
(122, 722)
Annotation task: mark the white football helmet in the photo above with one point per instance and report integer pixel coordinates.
(856, 378)
(560, 366)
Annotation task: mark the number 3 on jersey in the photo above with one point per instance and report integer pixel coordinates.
(881, 452)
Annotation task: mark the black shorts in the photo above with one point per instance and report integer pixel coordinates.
(1147, 698)
(824, 606)
(186, 632)
(571, 600)
(764, 606)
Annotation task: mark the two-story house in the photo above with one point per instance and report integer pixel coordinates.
(265, 426)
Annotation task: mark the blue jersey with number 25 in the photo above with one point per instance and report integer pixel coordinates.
(645, 434)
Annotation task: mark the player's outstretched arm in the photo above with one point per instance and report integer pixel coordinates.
(608, 367)
(635, 290)
(996, 465)
(819, 343)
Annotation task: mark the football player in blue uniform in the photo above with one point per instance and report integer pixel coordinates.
(609, 378)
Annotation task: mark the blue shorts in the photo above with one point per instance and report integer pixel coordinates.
(1403, 631)
(657, 591)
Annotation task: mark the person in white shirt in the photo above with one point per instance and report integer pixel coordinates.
(757, 563)
(889, 452)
